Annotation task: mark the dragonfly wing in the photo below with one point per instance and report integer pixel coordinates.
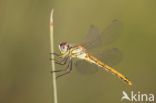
(110, 33)
(110, 57)
(84, 67)
(92, 39)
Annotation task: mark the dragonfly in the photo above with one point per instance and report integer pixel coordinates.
(92, 40)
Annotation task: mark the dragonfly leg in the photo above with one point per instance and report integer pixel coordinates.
(57, 61)
(58, 55)
(62, 62)
(60, 70)
(68, 67)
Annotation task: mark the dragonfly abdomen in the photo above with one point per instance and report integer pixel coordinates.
(108, 68)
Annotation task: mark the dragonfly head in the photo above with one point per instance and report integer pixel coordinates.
(64, 46)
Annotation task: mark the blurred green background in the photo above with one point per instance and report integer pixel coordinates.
(25, 48)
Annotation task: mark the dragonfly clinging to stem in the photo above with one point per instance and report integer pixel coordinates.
(69, 51)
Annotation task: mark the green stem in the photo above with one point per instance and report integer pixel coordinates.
(52, 56)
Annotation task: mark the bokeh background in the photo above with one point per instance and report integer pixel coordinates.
(25, 48)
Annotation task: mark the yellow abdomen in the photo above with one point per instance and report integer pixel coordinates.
(108, 68)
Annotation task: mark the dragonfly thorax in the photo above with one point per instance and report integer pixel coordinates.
(64, 46)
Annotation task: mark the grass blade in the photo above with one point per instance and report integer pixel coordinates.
(52, 56)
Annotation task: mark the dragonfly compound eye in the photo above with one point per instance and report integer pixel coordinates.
(63, 47)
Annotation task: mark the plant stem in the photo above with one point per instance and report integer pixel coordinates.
(52, 56)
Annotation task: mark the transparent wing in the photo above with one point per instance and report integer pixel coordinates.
(110, 33)
(92, 39)
(110, 57)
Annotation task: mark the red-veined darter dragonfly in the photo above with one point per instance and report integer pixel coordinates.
(93, 39)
